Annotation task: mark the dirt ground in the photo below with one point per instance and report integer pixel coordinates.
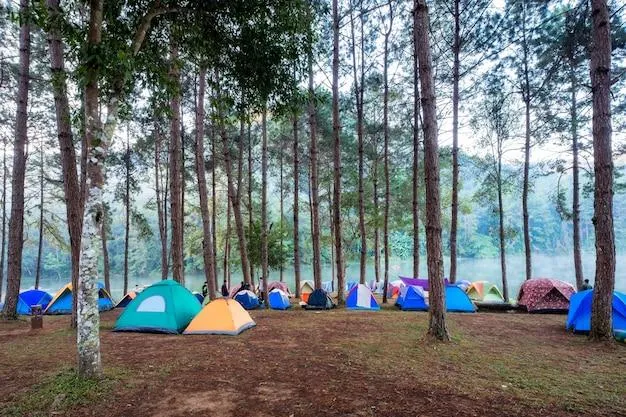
(332, 363)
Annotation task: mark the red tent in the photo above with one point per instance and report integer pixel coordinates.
(544, 295)
(280, 285)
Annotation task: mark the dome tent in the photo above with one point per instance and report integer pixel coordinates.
(221, 316)
(278, 300)
(164, 307)
(319, 300)
(412, 298)
(543, 295)
(361, 298)
(458, 301)
(247, 299)
(485, 291)
(579, 315)
(62, 301)
(30, 298)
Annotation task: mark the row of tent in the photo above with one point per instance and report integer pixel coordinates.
(60, 303)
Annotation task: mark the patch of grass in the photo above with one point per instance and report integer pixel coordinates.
(61, 392)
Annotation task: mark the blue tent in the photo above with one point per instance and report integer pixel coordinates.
(198, 296)
(350, 285)
(361, 298)
(579, 314)
(247, 299)
(62, 301)
(278, 300)
(30, 298)
(412, 298)
(458, 301)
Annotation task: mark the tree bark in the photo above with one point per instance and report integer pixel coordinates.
(296, 203)
(176, 209)
(88, 317)
(386, 248)
(525, 189)
(601, 308)
(578, 261)
(437, 307)
(315, 200)
(41, 202)
(456, 50)
(207, 234)
(358, 95)
(250, 203)
(337, 157)
(505, 287)
(160, 202)
(214, 202)
(376, 228)
(72, 187)
(226, 264)
(416, 144)
(106, 269)
(4, 214)
(127, 202)
(16, 223)
(264, 266)
(241, 236)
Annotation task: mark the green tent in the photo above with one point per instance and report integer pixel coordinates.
(164, 307)
(485, 292)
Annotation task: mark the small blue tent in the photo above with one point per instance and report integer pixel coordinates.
(278, 300)
(198, 296)
(247, 299)
(62, 301)
(361, 298)
(579, 314)
(412, 298)
(350, 285)
(458, 301)
(30, 298)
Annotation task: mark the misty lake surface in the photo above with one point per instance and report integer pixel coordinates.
(544, 266)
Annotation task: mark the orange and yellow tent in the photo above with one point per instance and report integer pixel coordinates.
(306, 288)
(221, 316)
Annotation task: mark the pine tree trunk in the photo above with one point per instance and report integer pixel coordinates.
(578, 261)
(106, 269)
(4, 215)
(296, 204)
(416, 145)
(601, 309)
(127, 202)
(376, 228)
(226, 264)
(264, 246)
(250, 202)
(183, 186)
(437, 305)
(505, 287)
(214, 203)
(232, 193)
(176, 209)
(207, 234)
(16, 222)
(386, 247)
(337, 157)
(88, 317)
(161, 203)
(456, 50)
(41, 202)
(240, 148)
(332, 233)
(282, 213)
(525, 189)
(358, 93)
(71, 185)
(315, 205)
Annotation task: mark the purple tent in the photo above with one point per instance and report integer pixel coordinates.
(419, 282)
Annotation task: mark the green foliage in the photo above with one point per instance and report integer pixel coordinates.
(277, 251)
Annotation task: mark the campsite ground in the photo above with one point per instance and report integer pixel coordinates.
(337, 363)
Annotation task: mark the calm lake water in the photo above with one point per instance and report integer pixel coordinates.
(549, 266)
